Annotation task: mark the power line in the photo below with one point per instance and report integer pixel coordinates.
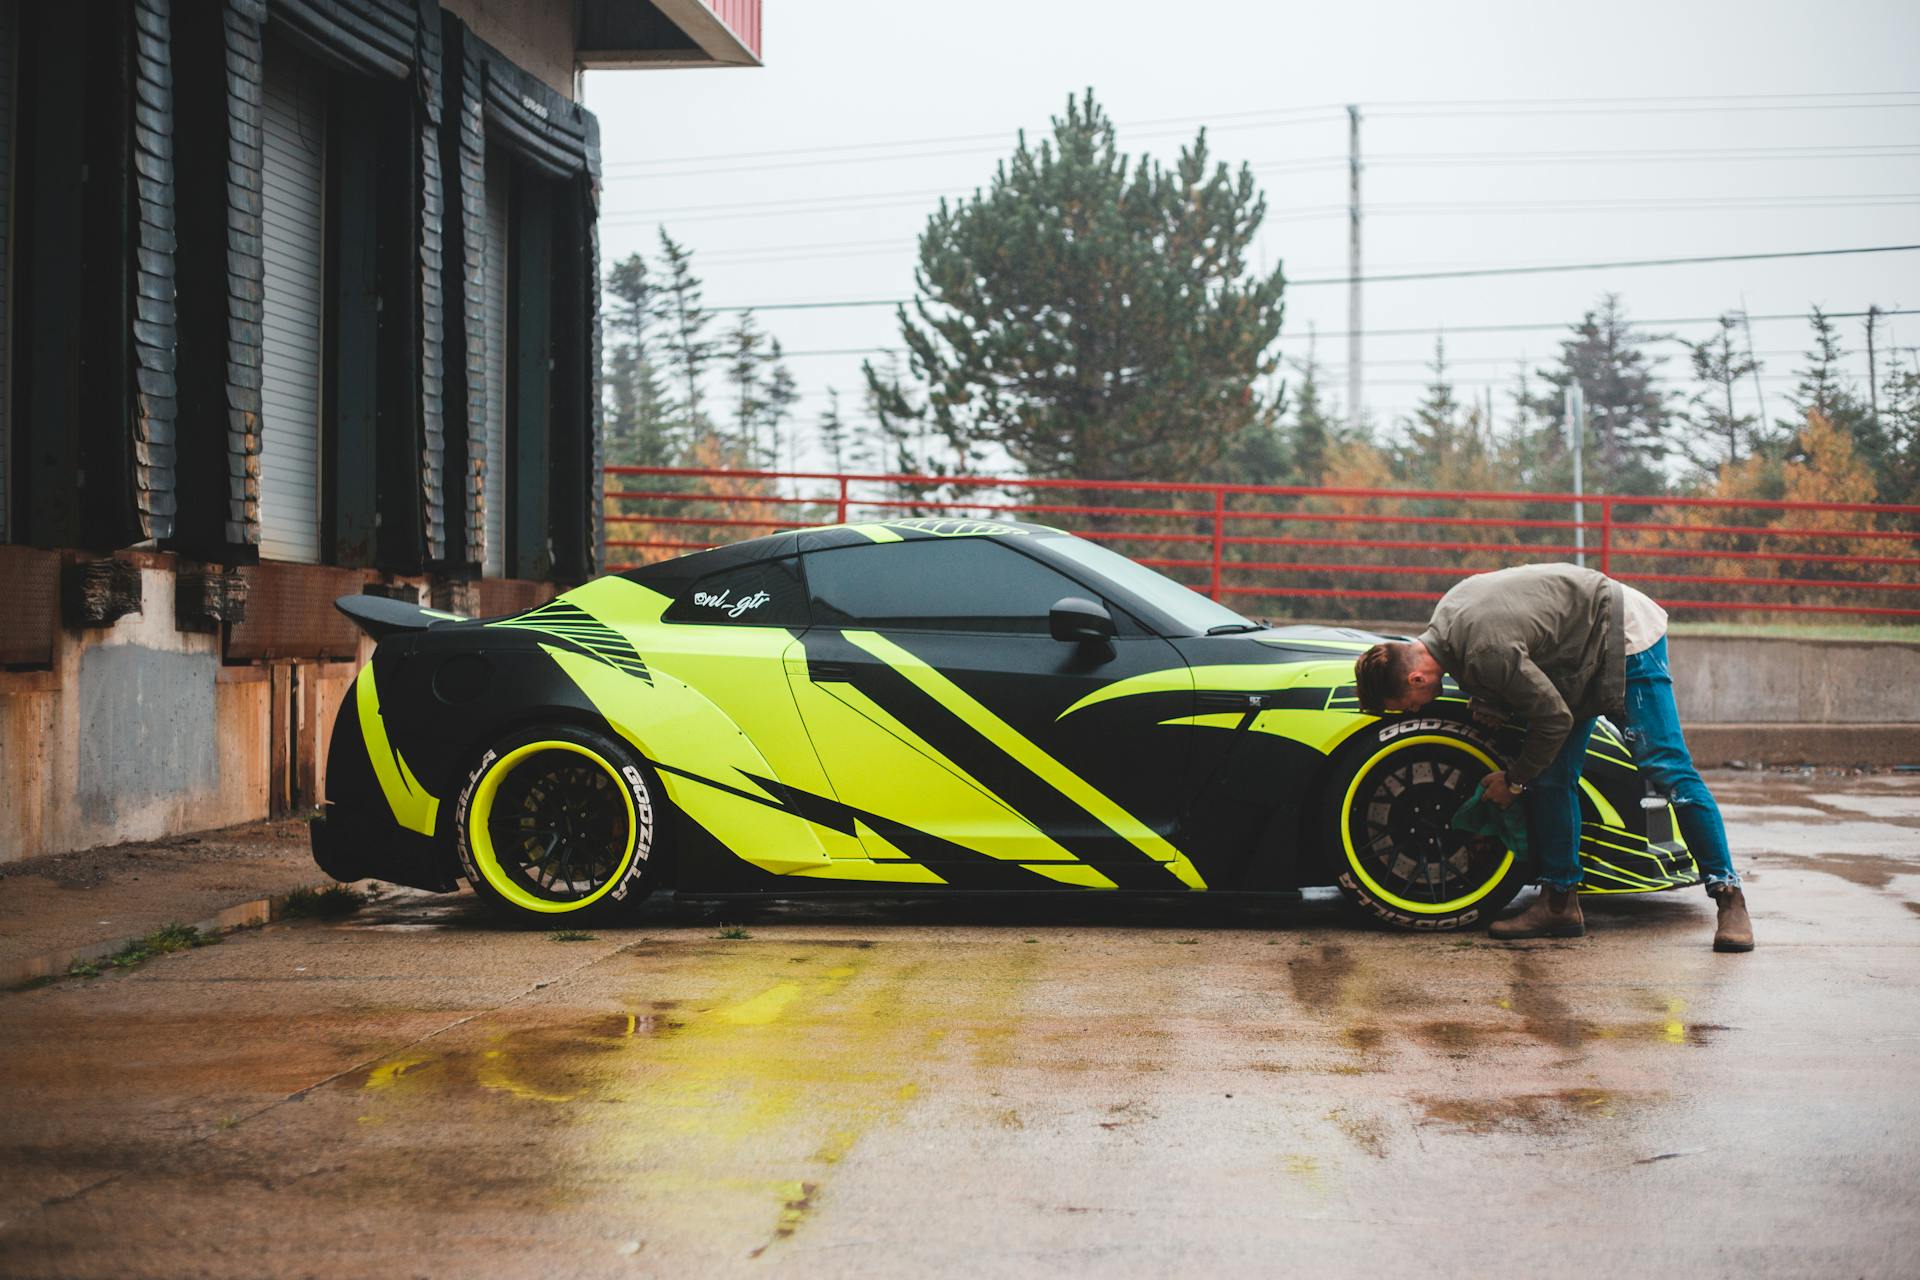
(1335, 111)
(734, 209)
(1447, 330)
(851, 304)
(1443, 159)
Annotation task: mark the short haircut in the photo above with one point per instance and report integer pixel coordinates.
(1380, 675)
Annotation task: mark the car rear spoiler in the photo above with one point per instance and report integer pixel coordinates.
(380, 617)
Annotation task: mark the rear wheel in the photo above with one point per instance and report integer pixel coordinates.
(557, 821)
(1395, 790)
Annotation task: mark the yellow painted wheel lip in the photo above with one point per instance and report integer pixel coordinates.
(1353, 857)
(480, 839)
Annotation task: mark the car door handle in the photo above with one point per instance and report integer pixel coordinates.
(829, 672)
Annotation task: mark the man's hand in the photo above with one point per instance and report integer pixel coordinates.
(1498, 791)
(1487, 716)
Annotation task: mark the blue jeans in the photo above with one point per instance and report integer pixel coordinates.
(1653, 736)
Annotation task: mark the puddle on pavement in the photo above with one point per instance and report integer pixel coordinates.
(782, 1067)
(1873, 871)
(1320, 975)
(1529, 1112)
(1873, 806)
(1840, 836)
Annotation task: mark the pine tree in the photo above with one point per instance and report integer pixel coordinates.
(1315, 427)
(1088, 318)
(1822, 388)
(779, 393)
(832, 430)
(1896, 464)
(639, 427)
(677, 304)
(1434, 435)
(1629, 421)
(745, 350)
(1719, 366)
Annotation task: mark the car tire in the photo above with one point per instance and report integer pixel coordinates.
(1392, 791)
(559, 823)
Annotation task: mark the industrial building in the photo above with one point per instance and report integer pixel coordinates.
(300, 299)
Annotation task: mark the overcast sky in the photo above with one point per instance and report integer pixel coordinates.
(810, 178)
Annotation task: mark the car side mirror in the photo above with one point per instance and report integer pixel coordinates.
(1080, 621)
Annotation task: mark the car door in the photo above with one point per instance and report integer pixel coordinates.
(938, 704)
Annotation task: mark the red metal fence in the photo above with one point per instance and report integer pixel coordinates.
(1338, 553)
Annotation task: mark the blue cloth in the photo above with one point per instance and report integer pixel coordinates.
(1482, 817)
(1652, 732)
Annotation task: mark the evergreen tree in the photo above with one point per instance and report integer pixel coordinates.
(678, 306)
(1896, 433)
(1823, 387)
(833, 432)
(639, 426)
(1088, 318)
(1719, 366)
(1628, 418)
(1434, 435)
(1315, 427)
(745, 349)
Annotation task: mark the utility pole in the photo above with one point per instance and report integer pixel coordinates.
(1873, 378)
(1576, 432)
(1354, 379)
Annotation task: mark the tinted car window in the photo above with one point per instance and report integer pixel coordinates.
(939, 584)
(766, 594)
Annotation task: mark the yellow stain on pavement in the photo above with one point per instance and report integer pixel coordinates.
(1674, 1031)
(759, 1010)
(387, 1074)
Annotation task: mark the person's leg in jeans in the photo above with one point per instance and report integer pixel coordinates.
(1553, 834)
(1553, 802)
(1653, 736)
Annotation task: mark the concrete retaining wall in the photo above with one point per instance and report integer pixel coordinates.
(140, 731)
(1742, 680)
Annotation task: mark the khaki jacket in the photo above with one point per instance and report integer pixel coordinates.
(1546, 642)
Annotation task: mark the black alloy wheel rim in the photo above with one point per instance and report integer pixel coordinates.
(1400, 828)
(559, 826)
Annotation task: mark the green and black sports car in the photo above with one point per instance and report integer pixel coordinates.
(920, 706)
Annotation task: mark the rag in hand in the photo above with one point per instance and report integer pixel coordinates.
(1482, 817)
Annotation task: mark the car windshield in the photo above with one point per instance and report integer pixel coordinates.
(1187, 607)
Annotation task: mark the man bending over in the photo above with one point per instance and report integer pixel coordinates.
(1560, 646)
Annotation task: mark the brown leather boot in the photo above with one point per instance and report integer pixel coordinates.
(1735, 930)
(1554, 914)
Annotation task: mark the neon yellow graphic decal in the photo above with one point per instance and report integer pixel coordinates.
(1078, 874)
(1237, 677)
(874, 532)
(1045, 767)
(412, 807)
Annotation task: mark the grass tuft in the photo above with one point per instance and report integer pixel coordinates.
(162, 941)
(572, 935)
(83, 969)
(323, 904)
(733, 932)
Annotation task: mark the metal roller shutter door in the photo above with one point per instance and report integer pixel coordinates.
(499, 175)
(294, 136)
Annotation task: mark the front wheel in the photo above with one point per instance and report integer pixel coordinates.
(1395, 788)
(557, 821)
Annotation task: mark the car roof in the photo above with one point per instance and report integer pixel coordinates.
(667, 575)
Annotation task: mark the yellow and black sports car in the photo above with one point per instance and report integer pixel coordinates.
(913, 707)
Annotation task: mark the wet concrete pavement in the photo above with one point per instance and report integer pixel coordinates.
(1066, 1089)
